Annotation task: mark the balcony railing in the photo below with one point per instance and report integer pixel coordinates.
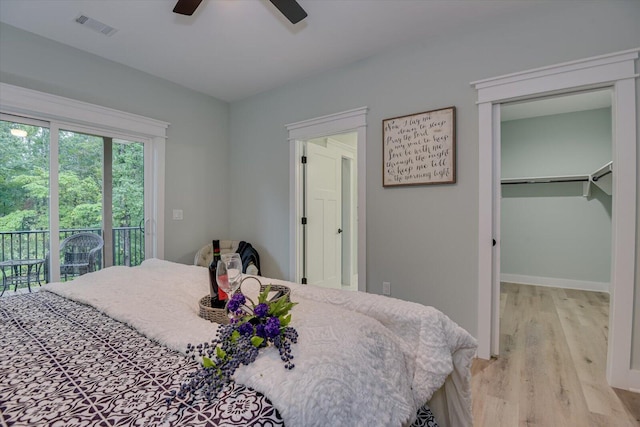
(128, 244)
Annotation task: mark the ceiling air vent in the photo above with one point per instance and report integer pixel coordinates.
(96, 25)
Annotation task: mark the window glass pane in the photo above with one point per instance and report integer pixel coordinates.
(24, 204)
(128, 202)
(80, 183)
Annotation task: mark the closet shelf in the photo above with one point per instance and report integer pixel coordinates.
(600, 177)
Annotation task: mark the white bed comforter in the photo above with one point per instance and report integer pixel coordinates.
(361, 359)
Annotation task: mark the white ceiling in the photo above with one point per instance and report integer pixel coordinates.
(233, 49)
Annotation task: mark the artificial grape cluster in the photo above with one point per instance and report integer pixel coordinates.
(283, 343)
(252, 328)
(226, 353)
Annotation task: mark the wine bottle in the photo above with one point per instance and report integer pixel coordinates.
(216, 302)
(222, 296)
(213, 287)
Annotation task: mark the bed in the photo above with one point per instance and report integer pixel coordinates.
(108, 347)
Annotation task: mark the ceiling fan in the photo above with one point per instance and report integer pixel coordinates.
(289, 8)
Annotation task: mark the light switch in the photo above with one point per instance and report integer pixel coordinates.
(177, 214)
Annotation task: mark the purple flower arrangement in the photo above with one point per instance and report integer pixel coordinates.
(252, 327)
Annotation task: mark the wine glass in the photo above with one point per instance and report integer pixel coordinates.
(222, 278)
(233, 265)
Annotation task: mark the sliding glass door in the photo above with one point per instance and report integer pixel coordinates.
(93, 185)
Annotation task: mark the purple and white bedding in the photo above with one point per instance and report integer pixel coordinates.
(360, 360)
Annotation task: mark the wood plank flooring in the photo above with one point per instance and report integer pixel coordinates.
(551, 369)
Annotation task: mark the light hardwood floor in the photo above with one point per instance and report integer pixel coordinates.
(551, 369)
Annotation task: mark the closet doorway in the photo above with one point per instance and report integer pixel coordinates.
(555, 206)
(555, 237)
(617, 72)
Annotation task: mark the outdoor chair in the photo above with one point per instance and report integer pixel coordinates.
(80, 253)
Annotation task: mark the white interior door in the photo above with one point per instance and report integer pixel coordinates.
(324, 236)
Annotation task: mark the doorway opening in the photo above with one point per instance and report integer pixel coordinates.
(328, 248)
(553, 224)
(615, 71)
(329, 198)
(554, 211)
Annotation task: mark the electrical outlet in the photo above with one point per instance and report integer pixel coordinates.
(177, 214)
(386, 288)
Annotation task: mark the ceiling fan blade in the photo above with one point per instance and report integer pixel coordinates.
(290, 9)
(186, 7)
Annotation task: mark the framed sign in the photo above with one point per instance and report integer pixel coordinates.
(419, 148)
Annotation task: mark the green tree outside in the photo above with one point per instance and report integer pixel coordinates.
(24, 180)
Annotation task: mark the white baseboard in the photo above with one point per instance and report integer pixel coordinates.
(634, 380)
(555, 282)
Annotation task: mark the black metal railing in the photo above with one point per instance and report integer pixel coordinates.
(128, 244)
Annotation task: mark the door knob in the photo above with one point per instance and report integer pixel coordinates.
(339, 230)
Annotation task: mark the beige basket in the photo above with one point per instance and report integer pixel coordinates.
(217, 315)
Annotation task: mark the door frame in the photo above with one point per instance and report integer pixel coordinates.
(615, 71)
(354, 120)
(83, 117)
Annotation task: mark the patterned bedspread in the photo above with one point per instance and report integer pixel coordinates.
(66, 364)
(63, 363)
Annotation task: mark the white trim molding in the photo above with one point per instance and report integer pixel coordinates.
(555, 282)
(330, 124)
(582, 73)
(354, 120)
(79, 116)
(19, 100)
(616, 71)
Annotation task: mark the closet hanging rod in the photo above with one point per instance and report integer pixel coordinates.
(546, 179)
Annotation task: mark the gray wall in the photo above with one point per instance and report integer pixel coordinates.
(433, 228)
(551, 230)
(197, 144)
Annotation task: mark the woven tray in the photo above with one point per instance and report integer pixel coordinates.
(217, 315)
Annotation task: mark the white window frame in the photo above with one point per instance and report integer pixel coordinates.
(78, 116)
